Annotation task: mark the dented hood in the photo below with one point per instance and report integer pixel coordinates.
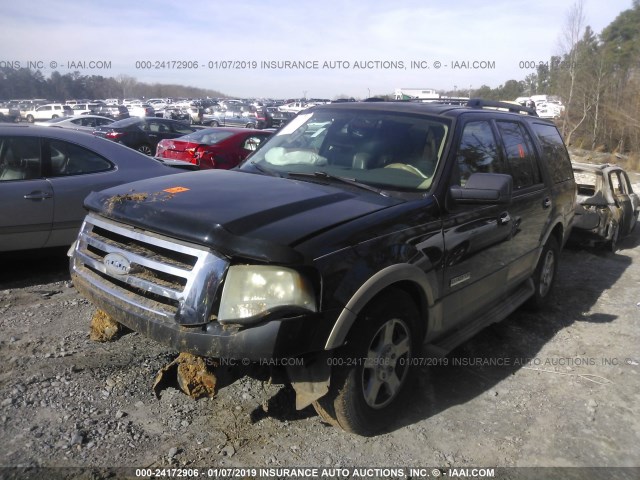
(234, 212)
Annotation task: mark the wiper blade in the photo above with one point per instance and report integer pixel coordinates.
(349, 181)
(264, 170)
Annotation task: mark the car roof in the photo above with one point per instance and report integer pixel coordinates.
(37, 130)
(427, 108)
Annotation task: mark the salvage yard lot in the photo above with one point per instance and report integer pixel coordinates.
(556, 388)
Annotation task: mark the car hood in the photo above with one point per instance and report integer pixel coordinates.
(236, 213)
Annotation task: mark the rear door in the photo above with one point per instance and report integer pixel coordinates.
(26, 198)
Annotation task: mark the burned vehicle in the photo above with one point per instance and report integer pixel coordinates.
(607, 209)
(357, 240)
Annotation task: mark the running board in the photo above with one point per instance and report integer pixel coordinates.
(496, 314)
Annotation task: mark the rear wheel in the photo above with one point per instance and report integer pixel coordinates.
(213, 123)
(371, 374)
(545, 274)
(30, 118)
(146, 149)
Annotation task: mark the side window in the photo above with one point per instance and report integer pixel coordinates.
(183, 129)
(478, 151)
(554, 152)
(70, 159)
(20, 158)
(616, 185)
(520, 155)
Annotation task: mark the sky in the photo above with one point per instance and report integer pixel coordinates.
(291, 49)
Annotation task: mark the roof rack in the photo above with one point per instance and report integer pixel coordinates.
(511, 107)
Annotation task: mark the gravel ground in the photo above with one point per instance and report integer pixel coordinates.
(558, 388)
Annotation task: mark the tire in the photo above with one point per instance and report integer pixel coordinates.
(214, 124)
(544, 276)
(146, 149)
(54, 116)
(30, 118)
(374, 368)
(250, 125)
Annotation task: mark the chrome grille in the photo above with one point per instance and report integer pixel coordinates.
(169, 278)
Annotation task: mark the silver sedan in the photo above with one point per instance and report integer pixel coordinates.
(82, 123)
(45, 174)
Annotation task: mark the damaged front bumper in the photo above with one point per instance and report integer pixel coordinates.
(260, 343)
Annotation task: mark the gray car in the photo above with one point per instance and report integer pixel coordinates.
(45, 174)
(84, 123)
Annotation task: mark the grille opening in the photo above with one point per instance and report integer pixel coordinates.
(163, 255)
(160, 278)
(167, 302)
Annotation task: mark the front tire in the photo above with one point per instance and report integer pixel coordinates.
(375, 367)
(544, 276)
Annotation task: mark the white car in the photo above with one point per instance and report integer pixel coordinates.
(48, 111)
(295, 107)
(83, 108)
(549, 109)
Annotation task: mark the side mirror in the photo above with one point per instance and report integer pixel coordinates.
(483, 189)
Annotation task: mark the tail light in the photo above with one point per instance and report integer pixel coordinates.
(113, 135)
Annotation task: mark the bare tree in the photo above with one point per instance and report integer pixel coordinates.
(570, 37)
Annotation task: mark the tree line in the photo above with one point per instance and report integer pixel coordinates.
(24, 83)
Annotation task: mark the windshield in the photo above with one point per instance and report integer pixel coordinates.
(386, 150)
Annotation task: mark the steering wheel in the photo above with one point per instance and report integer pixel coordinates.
(407, 168)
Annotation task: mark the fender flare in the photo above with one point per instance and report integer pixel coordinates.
(369, 289)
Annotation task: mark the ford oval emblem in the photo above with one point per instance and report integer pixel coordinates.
(116, 264)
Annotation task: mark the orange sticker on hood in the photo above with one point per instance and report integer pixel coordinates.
(176, 190)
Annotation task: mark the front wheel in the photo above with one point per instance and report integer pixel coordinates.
(375, 367)
(544, 275)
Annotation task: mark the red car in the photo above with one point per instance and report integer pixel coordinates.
(220, 147)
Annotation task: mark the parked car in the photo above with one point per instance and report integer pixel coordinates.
(358, 240)
(143, 134)
(84, 108)
(117, 112)
(47, 112)
(141, 110)
(236, 115)
(176, 113)
(45, 173)
(276, 118)
(294, 107)
(84, 123)
(607, 208)
(221, 147)
(9, 112)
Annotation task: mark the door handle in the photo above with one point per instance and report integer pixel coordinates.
(38, 196)
(546, 203)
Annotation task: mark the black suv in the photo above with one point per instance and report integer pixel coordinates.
(360, 238)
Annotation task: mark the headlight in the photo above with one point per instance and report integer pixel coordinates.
(252, 290)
